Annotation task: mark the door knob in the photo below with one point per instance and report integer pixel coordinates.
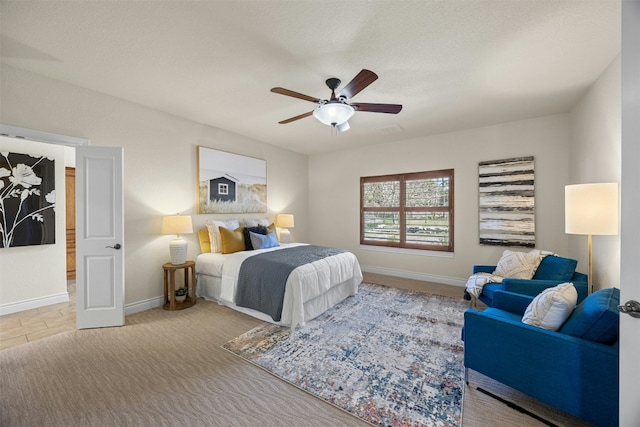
(116, 246)
(631, 307)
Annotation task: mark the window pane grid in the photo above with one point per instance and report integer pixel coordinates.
(410, 210)
(382, 194)
(430, 228)
(382, 226)
(427, 192)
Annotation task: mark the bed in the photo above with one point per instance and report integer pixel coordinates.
(310, 289)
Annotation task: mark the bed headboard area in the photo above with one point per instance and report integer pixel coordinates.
(209, 236)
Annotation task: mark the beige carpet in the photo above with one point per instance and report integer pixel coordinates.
(167, 368)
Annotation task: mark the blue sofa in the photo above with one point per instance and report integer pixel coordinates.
(574, 369)
(552, 271)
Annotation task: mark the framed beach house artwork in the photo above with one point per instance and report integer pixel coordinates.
(507, 202)
(230, 183)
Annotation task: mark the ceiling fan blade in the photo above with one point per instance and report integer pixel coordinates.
(378, 108)
(359, 82)
(287, 92)
(292, 119)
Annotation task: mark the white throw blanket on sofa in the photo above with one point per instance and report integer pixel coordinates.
(477, 281)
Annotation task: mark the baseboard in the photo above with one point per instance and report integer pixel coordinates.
(139, 306)
(413, 275)
(30, 304)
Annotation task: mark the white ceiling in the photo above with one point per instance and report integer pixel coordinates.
(452, 64)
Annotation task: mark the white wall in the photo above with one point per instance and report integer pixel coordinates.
(594, 156)
(322, 190)
(34, 276)
(334, 192)
(160, 168)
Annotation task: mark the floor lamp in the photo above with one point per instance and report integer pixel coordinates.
(591, 209)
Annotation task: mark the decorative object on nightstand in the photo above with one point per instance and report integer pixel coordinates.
(181, 294)
(285, 221)
(171, 294)
(591, 209)
(177, 224)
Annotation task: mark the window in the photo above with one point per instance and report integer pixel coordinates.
(223, 189)
(413, 210)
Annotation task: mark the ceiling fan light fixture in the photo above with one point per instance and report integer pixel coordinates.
(333, 113)
(343, 127)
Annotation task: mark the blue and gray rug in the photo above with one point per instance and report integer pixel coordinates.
(388, 356)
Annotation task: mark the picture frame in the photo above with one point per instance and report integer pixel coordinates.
(27, 200)
(230, 183)
(507, 202)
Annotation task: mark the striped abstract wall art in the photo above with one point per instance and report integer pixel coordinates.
(507, 202)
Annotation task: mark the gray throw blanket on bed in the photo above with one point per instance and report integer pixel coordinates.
(262, 278)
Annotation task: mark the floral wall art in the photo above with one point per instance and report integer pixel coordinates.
(27, 200)
(507, 202)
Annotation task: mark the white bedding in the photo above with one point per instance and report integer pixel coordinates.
(311, 289)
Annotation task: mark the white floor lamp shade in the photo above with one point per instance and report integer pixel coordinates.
(591, 209)
(177, 224)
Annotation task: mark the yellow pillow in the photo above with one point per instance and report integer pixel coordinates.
(205, 243)
(232, 241)
(272, 227)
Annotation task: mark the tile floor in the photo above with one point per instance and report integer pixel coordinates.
(30, 325)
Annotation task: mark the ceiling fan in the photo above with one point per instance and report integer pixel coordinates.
(336, 111)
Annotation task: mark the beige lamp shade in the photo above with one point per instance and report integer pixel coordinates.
(591, 209)
(285, 221)
(177, 224)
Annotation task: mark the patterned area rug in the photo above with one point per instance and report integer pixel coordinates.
(389, 356)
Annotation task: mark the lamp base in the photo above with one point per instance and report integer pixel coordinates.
(285, 236)
(178, 251)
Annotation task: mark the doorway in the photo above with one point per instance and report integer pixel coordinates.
(70, 189)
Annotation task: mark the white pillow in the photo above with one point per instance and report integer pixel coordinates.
(551, 308)
(214, 232)
(520, 265)
(256, 222)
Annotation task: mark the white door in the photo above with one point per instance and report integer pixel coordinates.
(99, 237)
(630, 225)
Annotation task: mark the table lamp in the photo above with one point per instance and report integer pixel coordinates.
(177, 224)
(285, 221)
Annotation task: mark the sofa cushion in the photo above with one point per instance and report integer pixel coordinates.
(521, 265)
(552, 307)
(490, 288)
(596, 318)
(556, 268)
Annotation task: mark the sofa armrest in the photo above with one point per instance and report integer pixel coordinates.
(569, 373)
(511, 302)
(483, 269)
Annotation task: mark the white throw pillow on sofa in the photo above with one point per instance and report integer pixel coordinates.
(551, 308)
(520, 265)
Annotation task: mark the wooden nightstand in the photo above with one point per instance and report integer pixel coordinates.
(170, 302)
